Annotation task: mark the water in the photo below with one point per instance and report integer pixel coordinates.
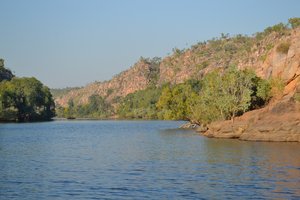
(140, 160)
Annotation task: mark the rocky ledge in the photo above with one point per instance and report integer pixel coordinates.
(279, 122)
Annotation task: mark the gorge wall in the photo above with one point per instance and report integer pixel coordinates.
(262, 54)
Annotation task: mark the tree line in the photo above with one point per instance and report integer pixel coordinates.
(221, 95)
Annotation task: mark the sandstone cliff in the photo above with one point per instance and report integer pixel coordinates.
(258, 53)
(280, 120)
(138, 77)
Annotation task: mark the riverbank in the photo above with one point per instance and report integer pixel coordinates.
(279, 122)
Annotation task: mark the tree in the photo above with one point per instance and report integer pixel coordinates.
(97, 107)
(236, 91)
(207, 105)
(140, 104)
(224, 95)
(5, 74)
(26, 99)
(294, 22)
(174, 100)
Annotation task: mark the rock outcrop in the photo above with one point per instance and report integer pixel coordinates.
(193, 63)
(280, 120)
(278, 123)
(275, 55)
(138, 77)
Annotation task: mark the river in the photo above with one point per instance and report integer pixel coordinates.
(140, 160)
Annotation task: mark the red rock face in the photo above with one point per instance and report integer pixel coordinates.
(129, 81)
(284, 66)
(280, 120)
(262, 57)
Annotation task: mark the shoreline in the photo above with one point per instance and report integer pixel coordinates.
(276, 123)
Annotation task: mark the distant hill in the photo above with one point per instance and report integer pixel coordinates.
(59, 92)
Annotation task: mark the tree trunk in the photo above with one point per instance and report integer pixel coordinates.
(232, 118)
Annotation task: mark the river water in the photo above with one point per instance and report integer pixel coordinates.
(140, 160)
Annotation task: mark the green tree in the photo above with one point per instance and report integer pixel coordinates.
(5, 74)
(97, 107)
(174, 100)
(27, 98)
(294, 22)
(207, 106)
(224, 95)
(236, 91)
(140, 104)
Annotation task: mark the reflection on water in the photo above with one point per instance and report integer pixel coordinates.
(140, 160)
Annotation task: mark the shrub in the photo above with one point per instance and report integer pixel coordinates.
(294, 22)
(283, 47)
(277, 87)
(202, 65)
(297, 97)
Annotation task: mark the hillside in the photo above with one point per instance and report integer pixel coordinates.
(234, 87)
(138, 77)
(260, 52)
(280, 119)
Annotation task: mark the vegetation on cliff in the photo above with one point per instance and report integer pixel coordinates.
(209, 81)
(24, 99)
(96, 108)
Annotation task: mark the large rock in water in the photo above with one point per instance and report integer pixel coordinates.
(279, 123)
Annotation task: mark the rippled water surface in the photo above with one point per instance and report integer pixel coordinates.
(140, 160)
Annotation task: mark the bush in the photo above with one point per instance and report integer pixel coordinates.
(283, 47)
(277, 86)
(297, 97)
(294, 22)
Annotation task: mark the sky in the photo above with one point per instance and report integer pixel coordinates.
(67, 43)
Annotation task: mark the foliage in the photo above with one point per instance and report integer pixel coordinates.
(202, 65)
(277, 87)
(5, 74)
(297, 96)
(294, 22)
(25, 99)
(261, 93)
(96, 108)
(174, 100)
(283, 47)
(154, 70)
(227, 94)
(177, 52)
(140, 104)
(279, 28)
(153, 73)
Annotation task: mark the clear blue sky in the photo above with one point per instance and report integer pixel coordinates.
(75, 42)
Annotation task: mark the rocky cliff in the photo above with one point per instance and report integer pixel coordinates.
(138, 77)
(280, 120)
(270, 54)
